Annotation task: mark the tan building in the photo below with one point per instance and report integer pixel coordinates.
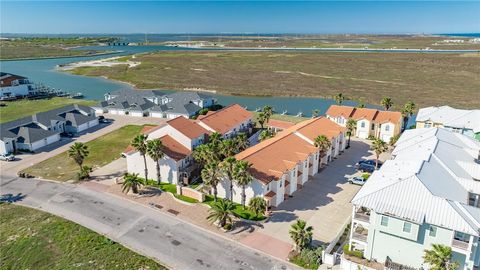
(370, 122)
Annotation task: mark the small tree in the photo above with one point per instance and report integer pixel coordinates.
(440, 258)
(339, 98)
(243, 177)
(301, 234)
(378, 146)
(351, 126)
(387, 103)
(323, 144)
(241, 142)
(78, 152)
(140, 144)
(265, 134)
(155, 152)
(257, 205)
(211, 176)
(407, 112)
(268, 111)
(133, 182)
(221, 212)
(261, 119)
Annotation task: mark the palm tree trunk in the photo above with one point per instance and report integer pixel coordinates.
(134, 189)
(231, 188)
(244, 196)
(158, 172)
(349, 136)
(214, 193)
(146, 170)
(376, 162)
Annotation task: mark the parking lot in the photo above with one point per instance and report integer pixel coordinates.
(324, 201)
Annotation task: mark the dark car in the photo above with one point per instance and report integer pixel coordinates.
(369, 162)
(364, 167)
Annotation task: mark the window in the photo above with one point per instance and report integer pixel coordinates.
(268, 187)
(432, 231)
(362, 124)
(474, 199)
(384, 221)
(387, 127)
(281, 183)
(373, 126)
(427, 125)
(407, 227)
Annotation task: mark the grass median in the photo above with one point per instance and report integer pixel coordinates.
(32, 239)
(103, 150)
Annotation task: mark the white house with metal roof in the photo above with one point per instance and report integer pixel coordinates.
(428, 193)
(461, 121)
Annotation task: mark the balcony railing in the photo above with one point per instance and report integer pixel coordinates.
(359, 237)
(460, 244)
(362, 217)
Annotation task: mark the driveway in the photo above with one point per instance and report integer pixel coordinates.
(324, 201)
(150, 232)
(26, 160)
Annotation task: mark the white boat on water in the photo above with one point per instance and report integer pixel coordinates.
(257, 109)
(299, 114)
(284, 112)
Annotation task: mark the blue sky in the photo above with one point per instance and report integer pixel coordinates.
(240, 17)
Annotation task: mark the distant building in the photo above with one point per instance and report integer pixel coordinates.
(34, 132)
(228, 121)
(466, 122)
(370, 122)
(278, 125)
(284, 163)
(429, 193)
(154, 103)
(12, 85)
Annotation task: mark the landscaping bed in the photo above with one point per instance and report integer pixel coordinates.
(239, 211)
(32, 239)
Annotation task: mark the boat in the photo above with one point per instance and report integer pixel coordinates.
(284, 112)
(257, 109)
(299, 114)
(77, 95)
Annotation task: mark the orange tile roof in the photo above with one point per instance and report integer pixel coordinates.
(273, 157)
(174, 149)
(336, 110)
(187, 127)
(270, 194)
(373, 115)
(226, 119)
(279, 124)
(148, 129)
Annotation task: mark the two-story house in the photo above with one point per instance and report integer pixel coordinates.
(179, 137)
(466, 122)
(228, 121)
(427, 194)
(370, 122)
(12, 86)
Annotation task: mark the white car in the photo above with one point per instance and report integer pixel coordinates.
(357, 180)
(7, 157)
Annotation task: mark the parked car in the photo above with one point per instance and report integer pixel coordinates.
(357, 180)
(102, 119)
(7, 157)
(370, 162)
(364, 167)
(67, 134)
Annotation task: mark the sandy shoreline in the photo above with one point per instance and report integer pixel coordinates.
(105, 62)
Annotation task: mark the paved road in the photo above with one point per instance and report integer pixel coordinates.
(171, 241)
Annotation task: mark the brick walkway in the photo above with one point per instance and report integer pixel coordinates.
(268, 244)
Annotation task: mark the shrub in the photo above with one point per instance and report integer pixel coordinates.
(84, 173)
(308, 258)
(228, 226)
(365, 176)
(371, 137)
(203, 111)
(354, 253)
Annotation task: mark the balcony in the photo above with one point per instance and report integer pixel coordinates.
(362, 216)
(460, 244)
(359, 237)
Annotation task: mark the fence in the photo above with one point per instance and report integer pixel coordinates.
(192, 193)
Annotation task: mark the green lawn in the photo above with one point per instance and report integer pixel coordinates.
(171, 188)
(32, 239)
(18, 109)
(103, 150)
(239, 211)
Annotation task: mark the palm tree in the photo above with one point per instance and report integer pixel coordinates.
(407, 112)
(323, 144)
(140, 144)
(155, 152)
(440, 258)
(131, 181)
(315, 113)
(243, 177)
(268, 111)
(351, 126)
(228, 148)
(211, 176)
(301, 234)
(339, 98)
(202, 154)
(221, 212)
(215, 138)
(257, 205)
(241, 142)
(78, 152)
(378, 146)
(228, 166)
(265, 134)
(261, 119)
(387, 103)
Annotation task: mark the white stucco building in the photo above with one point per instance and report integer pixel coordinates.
(12, 85)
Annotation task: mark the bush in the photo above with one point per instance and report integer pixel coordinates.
(308, 258)
(371, 137)
(354, 253)
(228, 226)
(203, 111)
(365, 176)
(84, 173)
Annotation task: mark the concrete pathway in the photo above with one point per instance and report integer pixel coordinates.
(169, 240)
